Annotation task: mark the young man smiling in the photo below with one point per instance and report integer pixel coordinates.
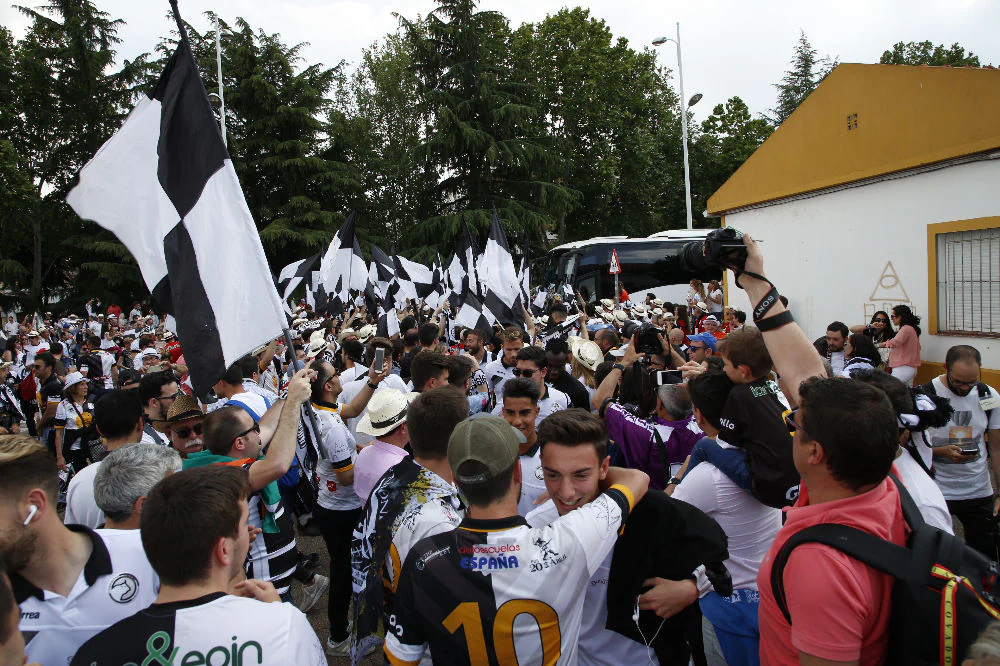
(520, 409)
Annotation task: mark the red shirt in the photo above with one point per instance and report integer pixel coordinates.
(839, 606)
(115, 310)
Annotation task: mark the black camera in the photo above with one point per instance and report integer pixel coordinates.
(722, 248)
(648, 341)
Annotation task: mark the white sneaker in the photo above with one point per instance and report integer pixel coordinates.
(312, 592)
(343, 648)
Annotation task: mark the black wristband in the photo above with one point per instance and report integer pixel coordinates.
(618, 366)
(372, 386)
(777, 321)
(765, 304)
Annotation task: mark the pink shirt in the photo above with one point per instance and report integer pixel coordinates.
(373, 461)
(839, 606)
(905, 348)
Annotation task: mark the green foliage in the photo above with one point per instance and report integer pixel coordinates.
(481, 138)
(926, 53)
(805, 74)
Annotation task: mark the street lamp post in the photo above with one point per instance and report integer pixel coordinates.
(684, 125)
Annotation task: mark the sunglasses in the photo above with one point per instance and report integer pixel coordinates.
(518, 372)
(254, 428)
(880, 321)
(697, 347)
(185, 431)
(790, 421)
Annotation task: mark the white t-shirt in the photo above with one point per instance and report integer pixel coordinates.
(750, 525)
(598, 646)
(351, 390)
(970, 480)
(713, 307)
(350, 374)
(31, 350)
(497, 375)
(81, 509)
(837, 362)
(924, 491)
(253, 404)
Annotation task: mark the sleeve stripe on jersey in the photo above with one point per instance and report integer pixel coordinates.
(629, 497)
(396, 661)
(343, 466)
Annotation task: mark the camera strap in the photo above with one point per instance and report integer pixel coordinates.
(765, 304)
(777, 321)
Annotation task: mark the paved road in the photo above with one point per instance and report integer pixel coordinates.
(317, 616)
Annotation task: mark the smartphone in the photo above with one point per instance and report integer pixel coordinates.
(970, 451)
(665, 377)
(379, 358)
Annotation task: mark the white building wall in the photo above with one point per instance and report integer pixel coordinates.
(827, 254)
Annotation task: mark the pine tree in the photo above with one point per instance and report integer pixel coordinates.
(478, 141)
(806, 73)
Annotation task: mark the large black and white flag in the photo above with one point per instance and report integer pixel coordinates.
(292, 276)
(343, 262)
(165, 186)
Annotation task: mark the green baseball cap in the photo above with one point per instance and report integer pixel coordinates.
(488, 440)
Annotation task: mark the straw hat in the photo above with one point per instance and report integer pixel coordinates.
(183, 409)
(316, 346)
(620, 315)
(365, 332)
(588, 354)
(386, 410)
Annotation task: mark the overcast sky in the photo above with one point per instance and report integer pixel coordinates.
(730, 47)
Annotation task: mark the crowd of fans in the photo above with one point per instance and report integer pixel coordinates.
(609, 483)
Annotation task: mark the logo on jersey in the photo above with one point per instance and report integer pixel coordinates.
(433, 555)
(30, 615)
(539, 474)
(489, 548)
(549, 558)
(123, 588)
(489, 563)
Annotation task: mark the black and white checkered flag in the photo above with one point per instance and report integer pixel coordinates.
(292, 276)
(165, 186)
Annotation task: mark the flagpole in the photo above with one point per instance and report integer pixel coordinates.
(222, 94)
(177, 17)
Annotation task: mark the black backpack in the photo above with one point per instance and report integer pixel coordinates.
(944, 593)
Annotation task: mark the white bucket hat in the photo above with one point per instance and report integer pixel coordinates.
(386, 410)
(72, 379)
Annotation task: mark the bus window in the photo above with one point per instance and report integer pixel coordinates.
(587, 286)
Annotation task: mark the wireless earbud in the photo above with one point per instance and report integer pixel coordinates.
(31, 514)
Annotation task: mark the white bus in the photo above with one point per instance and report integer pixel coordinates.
(649, 265)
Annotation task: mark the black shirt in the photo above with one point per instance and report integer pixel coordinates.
(574, 388)
(753, 419)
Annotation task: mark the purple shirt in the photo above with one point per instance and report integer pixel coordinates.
(373, 461)
(634, 437)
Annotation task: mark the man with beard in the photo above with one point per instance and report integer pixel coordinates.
(118, 417)
(69, 583)
(831, 347)
(475, 346)
(183, 426)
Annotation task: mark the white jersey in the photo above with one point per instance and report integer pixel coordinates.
(497, 375)
(337, 454)
(523, 587)
(114, 584)
(925, 493)
(598, 645)
(532, 479)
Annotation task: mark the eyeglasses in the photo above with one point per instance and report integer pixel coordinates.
(528, 372)
(169, 397)
(790, 421)
(254, 428)
(959, 382)
(185, 432)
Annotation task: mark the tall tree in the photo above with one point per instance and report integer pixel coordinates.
(805, 74)
(479, 141)
(728, 137)
(926, 53)
(68, 98)
(612, 116)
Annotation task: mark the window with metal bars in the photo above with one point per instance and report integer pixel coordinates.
(968, 282)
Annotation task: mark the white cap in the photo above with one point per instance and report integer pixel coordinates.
(72, 379)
